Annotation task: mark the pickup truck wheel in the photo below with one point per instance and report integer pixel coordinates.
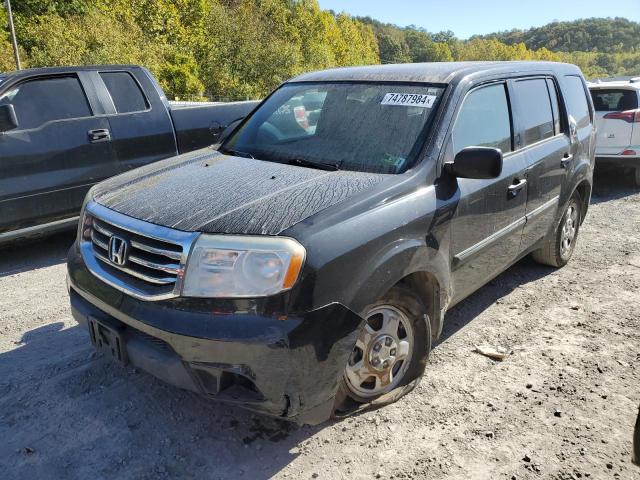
(390, 352)
(559, 250)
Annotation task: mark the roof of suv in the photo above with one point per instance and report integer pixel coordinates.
(442, 72)
(627, 84)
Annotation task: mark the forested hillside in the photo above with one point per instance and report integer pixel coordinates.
(232, 49)
(601, 47)
(604, 35)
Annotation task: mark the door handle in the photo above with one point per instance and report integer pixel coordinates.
(566, 160)
(99, 135)
(515, 188)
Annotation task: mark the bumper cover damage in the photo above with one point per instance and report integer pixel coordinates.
(282, 366)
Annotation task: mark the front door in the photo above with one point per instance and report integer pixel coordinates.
(487, 228)
(54, 156)
(141, 128)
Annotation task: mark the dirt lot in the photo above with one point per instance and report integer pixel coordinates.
(561, 406)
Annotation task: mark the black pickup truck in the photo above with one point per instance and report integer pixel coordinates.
(64, 129)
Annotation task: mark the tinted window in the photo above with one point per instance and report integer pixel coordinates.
(37, 102)
(553, 94)
(534, 110)
(612, 100)
(576, 100)
(484, 120)
(365, 127)
(125, 92)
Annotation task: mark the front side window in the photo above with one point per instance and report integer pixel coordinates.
(534, 108)
(37, 102)
(367, 127)
(484, 120)
(614, 100)
(125, 92)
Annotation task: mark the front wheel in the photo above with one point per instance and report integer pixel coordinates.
(390, 352)
(558, 251)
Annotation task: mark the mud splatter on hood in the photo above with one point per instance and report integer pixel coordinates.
(215, 193)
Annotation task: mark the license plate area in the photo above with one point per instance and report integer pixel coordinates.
(108, 340)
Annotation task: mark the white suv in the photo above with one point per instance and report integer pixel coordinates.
(617, 105)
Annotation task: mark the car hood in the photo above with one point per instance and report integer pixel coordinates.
(214, 193)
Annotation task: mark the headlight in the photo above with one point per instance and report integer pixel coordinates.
(225, 266)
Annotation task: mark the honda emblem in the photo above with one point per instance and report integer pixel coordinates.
(118, 249)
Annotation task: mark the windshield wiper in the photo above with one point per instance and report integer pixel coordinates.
(319, 165)
(238, 153)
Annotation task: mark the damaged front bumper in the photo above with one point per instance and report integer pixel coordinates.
(281, 365)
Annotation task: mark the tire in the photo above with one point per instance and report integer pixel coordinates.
(636, 176)
(380, 341)
(558, 251)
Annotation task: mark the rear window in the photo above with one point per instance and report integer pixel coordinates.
(614, 100)
(125, 92)
(367, 127)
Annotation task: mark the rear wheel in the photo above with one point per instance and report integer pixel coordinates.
(559, 250)
(390, 352)
(636, 176)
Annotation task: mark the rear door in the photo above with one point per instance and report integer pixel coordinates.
(141, 127)
(487, 228)
(547, 151)
(616, 117)
(50, 161)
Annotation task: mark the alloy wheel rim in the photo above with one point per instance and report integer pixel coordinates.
(382, 353)
(568, 232)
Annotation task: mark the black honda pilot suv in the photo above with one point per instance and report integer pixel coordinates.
(303, 267)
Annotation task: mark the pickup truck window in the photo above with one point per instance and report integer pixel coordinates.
(125, 92)
(537, 118)
(369, 127)
(37, 102)
(484, 120)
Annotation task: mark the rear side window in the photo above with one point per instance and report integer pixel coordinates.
(576, 100)
(37, 102)
(484, 120)
(614, 100)
(535, 114)
(125, 92)
(553, 94)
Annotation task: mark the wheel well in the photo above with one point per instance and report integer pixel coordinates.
(426, 286)
(584, 190)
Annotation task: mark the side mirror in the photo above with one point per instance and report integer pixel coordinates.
(476, 162)
(8, 119)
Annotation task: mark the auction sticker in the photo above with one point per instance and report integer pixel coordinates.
(409, 100)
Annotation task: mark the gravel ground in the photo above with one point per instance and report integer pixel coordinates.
(561, 406)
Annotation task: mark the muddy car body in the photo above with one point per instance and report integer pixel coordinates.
(305, 266)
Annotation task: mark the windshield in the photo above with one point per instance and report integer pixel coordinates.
(353, 126)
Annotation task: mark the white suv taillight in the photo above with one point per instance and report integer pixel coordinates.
(630, 116)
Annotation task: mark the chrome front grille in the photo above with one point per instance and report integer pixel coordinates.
(154, 257)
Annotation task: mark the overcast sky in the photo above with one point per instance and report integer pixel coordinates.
(469, 17)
